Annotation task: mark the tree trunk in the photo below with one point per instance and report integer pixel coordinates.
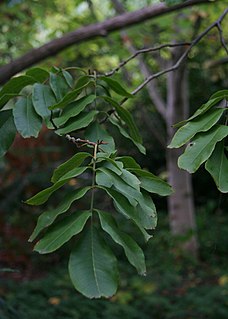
(180, 204)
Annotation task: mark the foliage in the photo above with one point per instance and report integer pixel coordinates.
(206, 131)
(176, 286)
(53, 99)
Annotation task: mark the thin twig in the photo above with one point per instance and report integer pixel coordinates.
(80, 142)
(221, 37)
(184, 56)
(141, 51)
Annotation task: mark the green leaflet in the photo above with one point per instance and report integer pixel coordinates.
(27, 121)
(93, 267)
(7, 131)
(43, 196)
(217, 166)
(13, 87)
(78, 122)
(42, 97)
(70, 164)
(68, 78)
(105, 177)
(40, 75)
(116, 87)
(122, 131)
(201, 147)
(152, 183)
(95, 132)
(110, 163)
(133, 252)
(58, 85)
(128, 162)
(49, 216)
(62, 232)
(73, 173)
(201, 110)
(125, 115)
(222, 93)
(198, 124)
(136, 214)
(74, 108)
(69, 97)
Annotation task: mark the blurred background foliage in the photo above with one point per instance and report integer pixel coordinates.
(176, 285)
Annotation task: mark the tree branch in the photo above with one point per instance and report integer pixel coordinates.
(185, 55)
(89, 32)
(141, 51)
(151, 88)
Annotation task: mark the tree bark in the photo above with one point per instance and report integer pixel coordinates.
(86, 33)
(180, 204)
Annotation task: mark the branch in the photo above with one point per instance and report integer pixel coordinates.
(221, 36)
(170, 69)
(144, 68)
(89, 32)
(217, 24)
(141, 51)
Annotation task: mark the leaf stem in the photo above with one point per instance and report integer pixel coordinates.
(93, 178)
